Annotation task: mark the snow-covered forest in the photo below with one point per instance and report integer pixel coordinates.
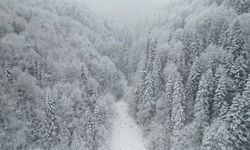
(74, 79)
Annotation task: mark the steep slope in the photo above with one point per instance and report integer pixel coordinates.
(53, 80)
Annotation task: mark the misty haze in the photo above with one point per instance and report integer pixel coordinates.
(124, 74)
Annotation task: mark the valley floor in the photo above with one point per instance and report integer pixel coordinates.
(126, 134)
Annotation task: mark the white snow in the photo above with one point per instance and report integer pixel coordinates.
(126, 134)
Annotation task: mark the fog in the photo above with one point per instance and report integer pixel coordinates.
(126, 10)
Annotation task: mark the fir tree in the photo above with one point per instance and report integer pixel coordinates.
(192, 86)
(34, 133)
(239, 74)
(89, 129)
(201, 108)
(7, 72)
(157, 78)
(150, 89)
(84, 82)
(236, 58)
(211, 86)
(178, 115)
(238, 120)
(238, 124)
(192, 46)
(221, 104)
(50, 124)
(146, 106)
(216, 137)
(235, 42)
(164, 104)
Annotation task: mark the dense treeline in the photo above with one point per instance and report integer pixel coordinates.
(188, 69)
(53, 81)
(191, 87)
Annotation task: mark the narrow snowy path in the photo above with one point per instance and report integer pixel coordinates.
(126, 134)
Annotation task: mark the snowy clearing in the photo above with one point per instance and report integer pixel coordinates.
(126, 134)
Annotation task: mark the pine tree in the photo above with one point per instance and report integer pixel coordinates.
(157, 78)
(50, 124)
(224, 35)
(231, 131)
(34, 133)
(178, 115)
(216, 137)
(211, 85)
(238, 120)
(40, 73)
(146, 106)
(7, 72)
(235, 42)
(221, 104)
(192, 86)
(87, 124)
(239, 73)
(65, 137)
(238, 124)
(89, 129)
(164, 104)
(236, 58)
(192, 46)
(84, 82)
(88, 92)
(150, 89)
(246, 108)
(201, 108)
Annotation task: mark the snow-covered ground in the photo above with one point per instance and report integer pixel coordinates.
(126, 134)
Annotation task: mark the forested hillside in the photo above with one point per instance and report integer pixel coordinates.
(184, 75)
(54, 83)
(191, 85)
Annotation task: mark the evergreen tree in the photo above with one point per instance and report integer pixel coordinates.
(192, 46)
(238, 124)
(246, 108)
(143, 74)
(235, 42)
(89, 129)
(7, 72)
(231, 131)
(146, 106)
(150, 89)
(34, 133)
(224, 34)
(84, 82)
(50, 124)
(238, 120)
(221, 103)
(192, 87)
(216, 137)
(87, 124)
(236, 58)
(239, 74)
(65, 136)
(211, 86)
(40, 73)
(164, 104)
(178, 115)
(201, 108)
(157, 78)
